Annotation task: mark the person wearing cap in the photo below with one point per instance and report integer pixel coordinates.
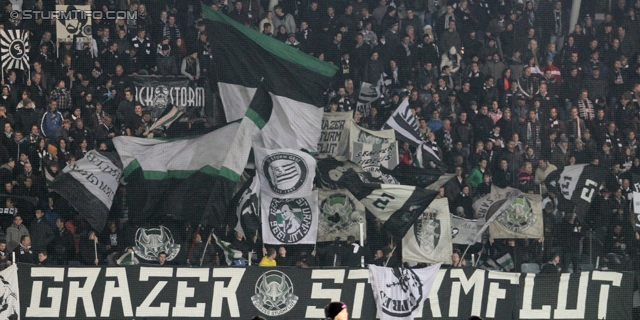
(336, 311)
(165, 62)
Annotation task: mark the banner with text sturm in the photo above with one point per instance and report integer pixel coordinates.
(290, 293)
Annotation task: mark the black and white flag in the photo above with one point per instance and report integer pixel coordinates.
(246, 207)
(14, 49)
(578, 184)
(398, 292)
(369, 93)
(90, 185)
(429, 239)
(373, 149)
(291, 220)
(74, 23)
(9, 293)
(285, 173)
(404, 122)
(463, 231)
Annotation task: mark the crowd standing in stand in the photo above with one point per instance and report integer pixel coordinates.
(505, 92)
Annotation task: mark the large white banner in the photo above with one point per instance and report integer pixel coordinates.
(9, 293)
(399, 292)
(463, 231)
(291, 220)
(371, 149)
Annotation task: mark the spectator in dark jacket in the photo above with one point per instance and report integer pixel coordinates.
(41, 232)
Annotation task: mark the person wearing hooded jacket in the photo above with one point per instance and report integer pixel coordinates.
(451, 59)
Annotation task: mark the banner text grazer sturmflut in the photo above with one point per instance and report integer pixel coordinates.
(291, 293)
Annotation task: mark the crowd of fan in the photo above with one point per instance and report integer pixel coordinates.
(504, 93)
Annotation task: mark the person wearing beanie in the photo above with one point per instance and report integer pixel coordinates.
(336, 311)
(191, 66)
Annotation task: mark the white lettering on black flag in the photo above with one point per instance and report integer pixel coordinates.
(290, 221)
(90, 185)
(157, 93)
(398, 292)
(334, 139)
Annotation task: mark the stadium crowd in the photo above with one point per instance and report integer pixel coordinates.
(505, 93)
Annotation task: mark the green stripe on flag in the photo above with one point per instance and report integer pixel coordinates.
(255, 117)
(273, 45)
(229, 174)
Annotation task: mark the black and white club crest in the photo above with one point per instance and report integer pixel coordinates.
(14, 49)
(290, 219)
(427, 230)
(402, 293)
(274, 294)
(285, 172)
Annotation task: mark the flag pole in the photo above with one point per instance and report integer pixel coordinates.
(386, 262)
(205, 247)
(193, 243)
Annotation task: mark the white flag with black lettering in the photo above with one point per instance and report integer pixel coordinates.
(285, 173)
(334, 139)
(371, 149)
(398, 292)
(463, 231)
(429, 239)
(290, 220)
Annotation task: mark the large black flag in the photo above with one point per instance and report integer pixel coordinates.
(577, 184)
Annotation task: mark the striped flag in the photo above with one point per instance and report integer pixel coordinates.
(127, 259)
(296, 81)
(229, 254)
(14, 49)
(506, 262)
(166, 121)
(369, 93)
(407, 129)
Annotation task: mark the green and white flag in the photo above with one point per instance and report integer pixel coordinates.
(285, 173)
(340, 214)
(291, 220)
(509, 213)
(127, 259)
(506, 262)
(229, 254)
(429, 239)
(295, 80)
(180, 177)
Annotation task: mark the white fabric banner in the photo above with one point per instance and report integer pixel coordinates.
(285, 173)
(429, 239)
(463, 231)
(334, 139)
(291, 220)
(10, 294)
(400, 291)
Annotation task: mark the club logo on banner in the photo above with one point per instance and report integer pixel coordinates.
(150, 242)
(9, 293)
(337, 212)
(285, 173)
(274, 294)
(334, 139)
(430, 239)
(157, 93)
(14, 49)
(518, 217)
(73, 22)
(291, 220)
